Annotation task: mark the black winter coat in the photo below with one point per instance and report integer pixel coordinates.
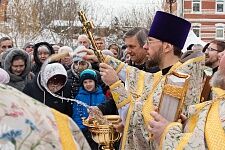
(74, 82)
(36, 91)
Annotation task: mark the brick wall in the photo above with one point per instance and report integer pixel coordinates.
(3, 7)
(207, 18)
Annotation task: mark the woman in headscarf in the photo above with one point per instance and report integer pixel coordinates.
(53, 77)
(18, 66)
(41, 52)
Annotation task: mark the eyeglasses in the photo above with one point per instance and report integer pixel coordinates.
(150, 42)
(212, 49)
(55, 83)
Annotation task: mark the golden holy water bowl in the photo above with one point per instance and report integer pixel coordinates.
(104, 134)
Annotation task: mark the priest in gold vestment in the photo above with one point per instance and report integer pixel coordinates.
(205, 126)
(142, 90)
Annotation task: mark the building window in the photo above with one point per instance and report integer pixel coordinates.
(220, 32)
(220, 6)
(196, 6)
(196, 30)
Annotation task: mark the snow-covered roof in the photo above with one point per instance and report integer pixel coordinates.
(47, 36)
(77, 23)
(65, 23)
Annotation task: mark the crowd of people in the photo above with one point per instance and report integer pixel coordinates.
(129, 83)
(70, 77)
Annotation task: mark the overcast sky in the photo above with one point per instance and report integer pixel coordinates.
(105, 10)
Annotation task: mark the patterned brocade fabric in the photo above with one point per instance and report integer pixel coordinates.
(143, 91)
(178, 140)
(115, 63)
(120, 97)
(208, 132)
(26, 124)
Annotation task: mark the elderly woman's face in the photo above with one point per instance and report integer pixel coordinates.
(43, 54)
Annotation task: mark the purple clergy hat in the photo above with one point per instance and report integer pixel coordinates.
(169, 28)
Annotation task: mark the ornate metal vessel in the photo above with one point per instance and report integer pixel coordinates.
(104, 134)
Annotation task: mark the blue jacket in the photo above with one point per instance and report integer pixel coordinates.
(90, 98)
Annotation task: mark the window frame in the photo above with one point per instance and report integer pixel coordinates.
(220, 2)
(219, 27)
(200, 6)
(195, 27)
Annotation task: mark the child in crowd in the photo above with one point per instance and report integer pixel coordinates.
(90, 93)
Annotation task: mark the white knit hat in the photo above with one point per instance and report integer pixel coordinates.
(52, 70)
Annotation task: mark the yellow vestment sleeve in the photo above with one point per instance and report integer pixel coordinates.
(67, 140)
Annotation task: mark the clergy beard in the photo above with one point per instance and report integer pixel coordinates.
(155, 59)
(218, 80)
(209, 63)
